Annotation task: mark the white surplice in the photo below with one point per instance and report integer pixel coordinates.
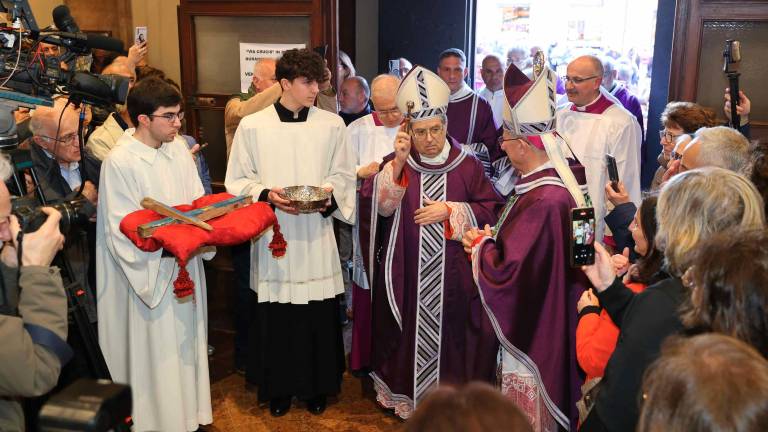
(151, 340)
(267, 153)
(370, 142)
(591, 136)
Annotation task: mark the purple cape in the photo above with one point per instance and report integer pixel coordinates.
(485, 130)
(466, 343)
(530, 290)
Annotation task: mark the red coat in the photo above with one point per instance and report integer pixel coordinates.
(596, 337)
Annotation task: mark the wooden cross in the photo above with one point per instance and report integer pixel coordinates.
(196, 217)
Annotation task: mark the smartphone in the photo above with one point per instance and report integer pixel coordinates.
(394, 67)
(140, 35)
(582, 236)
(613, 171)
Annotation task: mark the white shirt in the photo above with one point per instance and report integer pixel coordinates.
(497, 99)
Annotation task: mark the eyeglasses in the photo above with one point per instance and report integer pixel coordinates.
(66, 139)
(169, 116)
(391, 111)
(501, 140)
(578, 80)
(668, 135)
(422, 133)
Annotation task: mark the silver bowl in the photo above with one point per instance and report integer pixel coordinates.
(306, 199)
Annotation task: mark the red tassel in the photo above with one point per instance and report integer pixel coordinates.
(278, 243)
(183, 285)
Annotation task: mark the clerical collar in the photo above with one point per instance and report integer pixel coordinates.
(288, 116)
(440, 158)
(597, 106)
(546, 165)
(461, 93)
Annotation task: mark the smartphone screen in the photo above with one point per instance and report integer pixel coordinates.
(140, 35)
(582, 236)
(394, 67)
(613, 171)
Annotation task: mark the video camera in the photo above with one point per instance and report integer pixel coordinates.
(28, 79)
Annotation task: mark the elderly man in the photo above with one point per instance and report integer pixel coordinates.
(718, 146)
(521, 268)
(620, 92)
(353, 99)
(470, 118)
(62, 170)
(405, 67)
(493, 73)
(371, 138)
(427, 325)
(594, 125)
(104, 137)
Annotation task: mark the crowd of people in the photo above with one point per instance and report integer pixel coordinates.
(446, 240)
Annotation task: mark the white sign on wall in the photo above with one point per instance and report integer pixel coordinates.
(250, 52)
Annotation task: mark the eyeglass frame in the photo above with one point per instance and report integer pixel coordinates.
(663, 133)
(73, 138)
(578, 80)
(390, 111)
(433, 132)
(168, 116)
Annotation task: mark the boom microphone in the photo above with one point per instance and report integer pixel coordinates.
(64, 20)
(82, 42)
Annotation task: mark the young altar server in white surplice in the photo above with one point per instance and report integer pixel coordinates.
(151, 339)
(296, 346)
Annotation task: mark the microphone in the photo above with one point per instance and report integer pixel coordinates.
(64, 20)
(82, 41)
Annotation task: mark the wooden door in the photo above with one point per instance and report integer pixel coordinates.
(209, 33)
(701, 28)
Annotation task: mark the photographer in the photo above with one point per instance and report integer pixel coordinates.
(33, 322)
(61, 170)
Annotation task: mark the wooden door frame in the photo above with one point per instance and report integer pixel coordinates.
(323, 19)
(690, 17)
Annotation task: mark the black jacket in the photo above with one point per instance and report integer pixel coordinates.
(54, 186)
(645, 320)
(618, 221)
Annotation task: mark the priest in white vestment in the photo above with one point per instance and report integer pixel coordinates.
(151, 340)
(371, 138)
(594, 124)
(296, 347)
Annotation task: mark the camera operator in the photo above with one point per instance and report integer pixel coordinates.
(33, 322)
(61, 169)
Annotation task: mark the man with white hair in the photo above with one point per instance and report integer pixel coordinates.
(371, 138)
(718, 146)
(427, 321)
(595, 125)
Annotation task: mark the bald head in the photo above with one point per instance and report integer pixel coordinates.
(354, 95)
(123, 69)
(383, 95)
(61, 141)
(264, 74)
(492, 72)
(585, 74)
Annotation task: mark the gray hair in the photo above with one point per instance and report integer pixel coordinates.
(723, 147)
(608, 66)
(695, 205)
(6, 169)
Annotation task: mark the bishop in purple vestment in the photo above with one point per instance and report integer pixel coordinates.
(428, 325)
(521, 266)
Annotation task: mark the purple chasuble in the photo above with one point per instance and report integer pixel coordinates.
(470, 122)
(530, 292)
(424, 300)
(631, 103)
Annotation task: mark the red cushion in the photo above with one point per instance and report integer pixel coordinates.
(183, 240)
